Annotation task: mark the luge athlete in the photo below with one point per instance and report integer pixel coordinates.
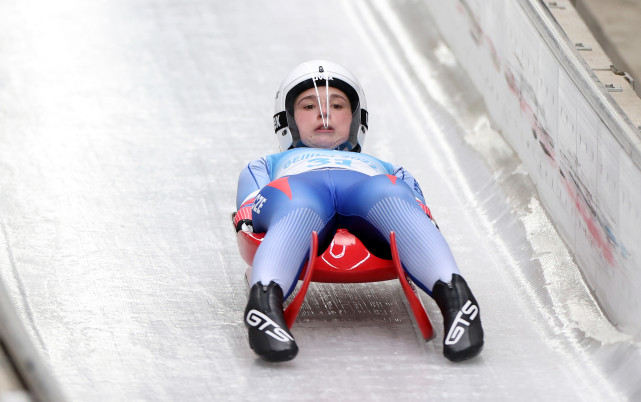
(322, 181)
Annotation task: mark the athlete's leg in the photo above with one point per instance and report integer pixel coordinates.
(389, 205)
(288, 210)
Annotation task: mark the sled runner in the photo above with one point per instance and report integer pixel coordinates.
(346, 260)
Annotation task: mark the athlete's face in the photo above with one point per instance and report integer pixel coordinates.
(319, 129)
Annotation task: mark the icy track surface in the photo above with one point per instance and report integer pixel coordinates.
(123, 127)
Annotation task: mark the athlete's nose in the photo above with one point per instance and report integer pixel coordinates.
(323, 112)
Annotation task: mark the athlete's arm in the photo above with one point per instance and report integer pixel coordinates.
(407, 177)
(252, 178)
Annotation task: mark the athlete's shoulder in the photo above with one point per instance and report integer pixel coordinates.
(261, 163)
(373, 157)
(387, 165)
(269, 161)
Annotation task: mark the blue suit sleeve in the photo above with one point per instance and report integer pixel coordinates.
(252, 178)
(407, 177)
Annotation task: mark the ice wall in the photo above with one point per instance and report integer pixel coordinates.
(577, 145)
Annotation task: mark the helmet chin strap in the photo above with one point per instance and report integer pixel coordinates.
(318, 99)
(327, 98)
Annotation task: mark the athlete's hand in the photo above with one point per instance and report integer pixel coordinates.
(427, 212)
(243, 218)
(245, 225)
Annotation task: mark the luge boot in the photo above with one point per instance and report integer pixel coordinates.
(463, 337)
(268, 333)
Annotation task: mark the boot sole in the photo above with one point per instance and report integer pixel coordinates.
(278, 355)
(464, 354)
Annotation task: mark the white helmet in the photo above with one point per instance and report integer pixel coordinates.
(313, 74)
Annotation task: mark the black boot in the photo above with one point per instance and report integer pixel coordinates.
(463, 338)
(268, 333)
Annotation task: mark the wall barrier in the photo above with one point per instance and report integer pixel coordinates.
(580, 149)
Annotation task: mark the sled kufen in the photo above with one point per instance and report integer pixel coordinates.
(346, 260)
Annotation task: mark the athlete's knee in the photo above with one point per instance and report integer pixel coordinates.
(385, 186)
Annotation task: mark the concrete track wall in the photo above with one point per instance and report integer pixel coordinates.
(578, 145)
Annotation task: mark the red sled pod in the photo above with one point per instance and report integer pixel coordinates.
(346, 260)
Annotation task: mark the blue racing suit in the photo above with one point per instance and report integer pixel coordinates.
(292, 193)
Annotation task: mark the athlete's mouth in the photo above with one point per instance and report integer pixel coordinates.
(324, 129)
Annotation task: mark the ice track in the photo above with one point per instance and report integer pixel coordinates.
(123, 126)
